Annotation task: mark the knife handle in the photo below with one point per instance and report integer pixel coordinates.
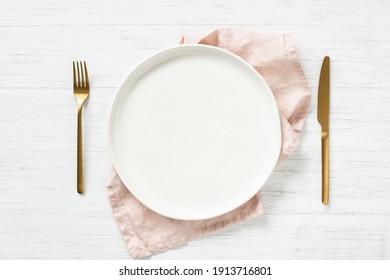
(325, 167)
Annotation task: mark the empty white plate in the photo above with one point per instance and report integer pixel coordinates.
(194, 132)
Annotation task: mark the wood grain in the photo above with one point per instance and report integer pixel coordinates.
(41, 216)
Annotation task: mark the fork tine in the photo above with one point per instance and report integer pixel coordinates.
(74, 76)
(86, 75)
(82, 75)
(78, 74)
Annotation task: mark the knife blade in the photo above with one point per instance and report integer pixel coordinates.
(323, 119)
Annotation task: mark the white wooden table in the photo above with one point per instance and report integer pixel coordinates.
(41, 215)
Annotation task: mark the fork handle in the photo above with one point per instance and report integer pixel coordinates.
(80, 175)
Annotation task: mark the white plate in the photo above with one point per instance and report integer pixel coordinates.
(194, 132)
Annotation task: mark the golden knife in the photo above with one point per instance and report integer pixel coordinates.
(323, 119)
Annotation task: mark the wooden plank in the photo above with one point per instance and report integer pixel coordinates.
(176, 12)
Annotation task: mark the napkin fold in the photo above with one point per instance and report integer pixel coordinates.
(275, 58)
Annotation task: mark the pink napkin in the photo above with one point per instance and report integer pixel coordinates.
(275, 58)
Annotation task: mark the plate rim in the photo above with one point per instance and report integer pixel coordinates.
(119, 93)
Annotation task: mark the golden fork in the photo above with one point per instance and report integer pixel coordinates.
(81, 92)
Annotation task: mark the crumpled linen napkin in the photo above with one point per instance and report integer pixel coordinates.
(275, 58)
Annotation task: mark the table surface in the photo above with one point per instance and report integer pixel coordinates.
(42, 217)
